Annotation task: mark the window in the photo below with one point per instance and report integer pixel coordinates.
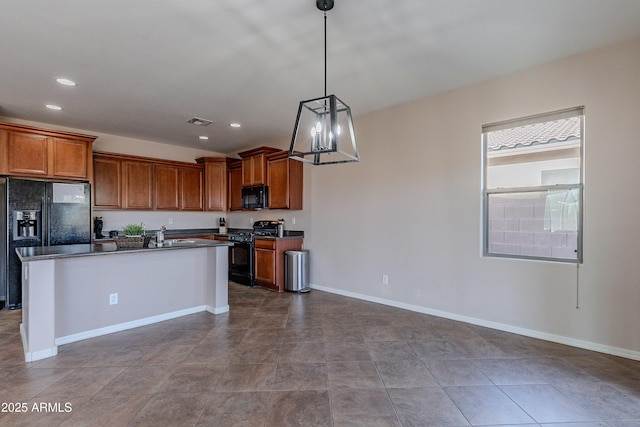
(533, 186)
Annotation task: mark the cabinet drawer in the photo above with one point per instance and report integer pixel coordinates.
(265, 244)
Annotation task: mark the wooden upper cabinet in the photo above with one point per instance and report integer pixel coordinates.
(235, 185)
(254, 166)
(167, 187)
(30, 151)
(216, 187)
(284, 178)
(137, 185)
(191, 188)
(107, 182)
(69, 158)
(132, 182)
(253, 170)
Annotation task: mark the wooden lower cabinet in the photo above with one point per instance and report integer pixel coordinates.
(269, 261)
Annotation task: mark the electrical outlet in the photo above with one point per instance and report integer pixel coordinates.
(113, 299)
(170, 221)
(293, 220)
(251, 221)
(385, 279)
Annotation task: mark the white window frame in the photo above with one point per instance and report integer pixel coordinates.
(488, 192)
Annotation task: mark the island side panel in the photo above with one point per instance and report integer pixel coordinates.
(217, 292)
(151, 286)
(38, 310)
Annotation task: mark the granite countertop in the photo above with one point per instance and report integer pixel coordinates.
(214, 232)
(39, 253)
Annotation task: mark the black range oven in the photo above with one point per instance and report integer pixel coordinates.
(241, 254)
(241, 258)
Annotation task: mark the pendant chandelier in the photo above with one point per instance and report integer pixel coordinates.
(323, 133)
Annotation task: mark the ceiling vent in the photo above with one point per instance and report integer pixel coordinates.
(199, 122)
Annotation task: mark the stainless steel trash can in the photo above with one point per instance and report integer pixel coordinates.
(296, 271)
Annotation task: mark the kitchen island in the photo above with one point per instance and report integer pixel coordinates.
(75, 292)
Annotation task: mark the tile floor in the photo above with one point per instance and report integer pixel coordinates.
(315, 359)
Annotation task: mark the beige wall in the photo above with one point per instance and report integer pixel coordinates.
(412, 208)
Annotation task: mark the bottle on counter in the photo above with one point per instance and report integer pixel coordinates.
(281, 228)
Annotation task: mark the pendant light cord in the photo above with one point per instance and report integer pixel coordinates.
(325, 53)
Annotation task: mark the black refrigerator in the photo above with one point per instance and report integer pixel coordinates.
(38, 213)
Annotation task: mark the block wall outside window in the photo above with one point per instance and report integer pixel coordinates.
(533, 225)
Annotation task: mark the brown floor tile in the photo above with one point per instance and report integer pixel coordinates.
(353, 375)
(457, 372)
(603, 400)
(165, 355)
(405, 373)
(391, 350)
(235, 409)
(332, 360)
(360, 402)
(170, 409)
(110, 411)
(418, 407)
(381, 333)
(295, 334)
(365, 420)
(302, 352)
(27, 383)
(247, 377)
(192, 379)
(37, 414)
(261, 352)
(486, 405)
(82, 382)
(346, 351)
(137, 380)
(299, 408)
(435, 349)
(546, 404)
(301, 376)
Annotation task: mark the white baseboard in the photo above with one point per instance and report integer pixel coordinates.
(587, 345)
(129, 325)
(30, 356)
(218, 310)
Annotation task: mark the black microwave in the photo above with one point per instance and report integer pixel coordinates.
(255, 197)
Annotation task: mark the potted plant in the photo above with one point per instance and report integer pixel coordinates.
(134, 236)
(133, 230)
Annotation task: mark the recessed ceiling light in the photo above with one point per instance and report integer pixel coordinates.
(53, 107)
(203, 137)
(234, 125)
(66, 82)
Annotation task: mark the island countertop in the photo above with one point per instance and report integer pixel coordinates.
(38, 253)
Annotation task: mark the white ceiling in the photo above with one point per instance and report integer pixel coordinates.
(145, 67)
